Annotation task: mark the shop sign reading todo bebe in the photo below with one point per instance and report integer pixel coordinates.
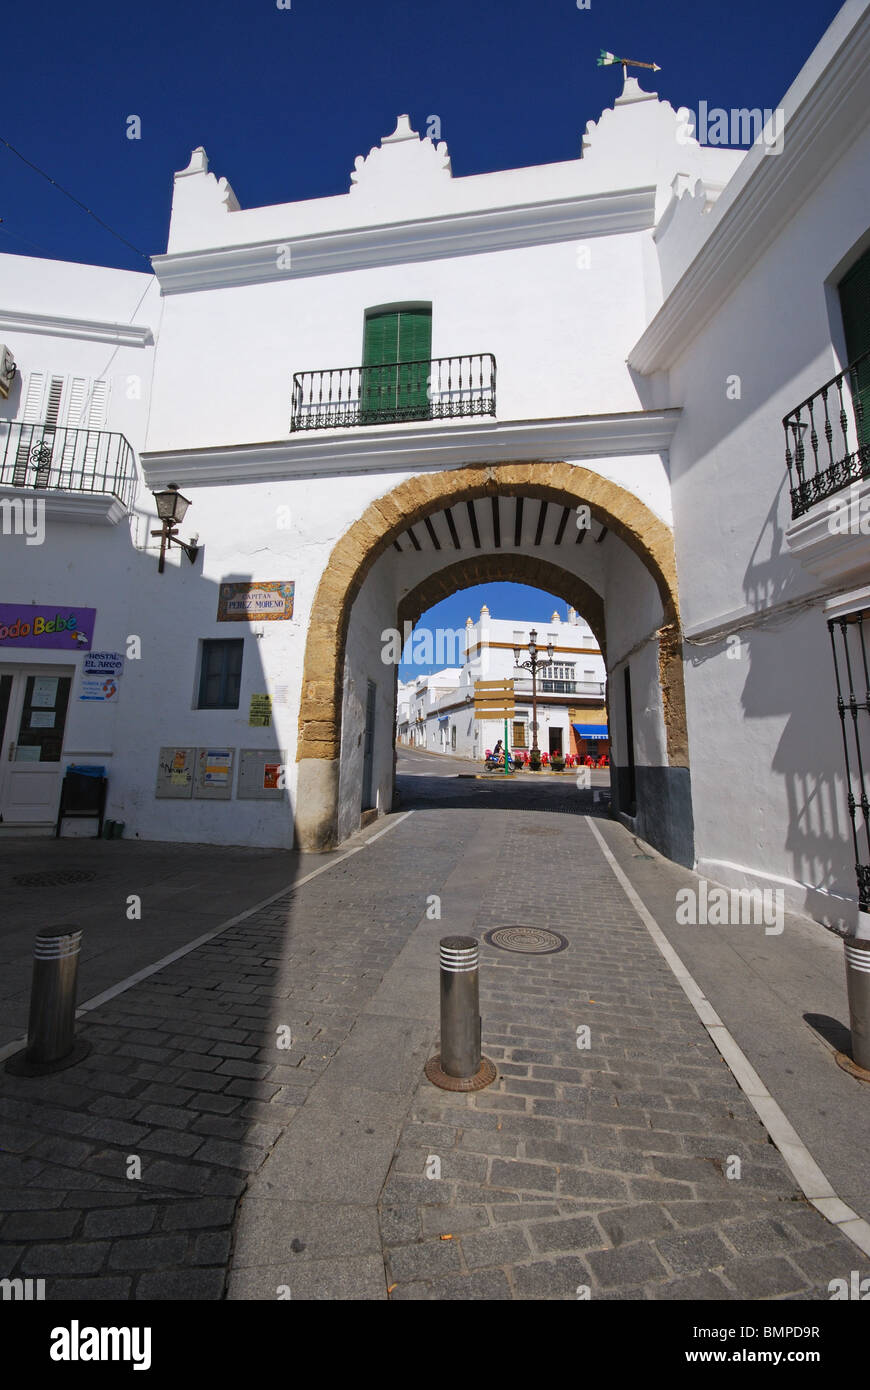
(26, 625)
(269, 601)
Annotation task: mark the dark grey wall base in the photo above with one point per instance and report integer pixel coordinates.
(662, 812)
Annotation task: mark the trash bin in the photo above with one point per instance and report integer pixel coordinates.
(83, 793)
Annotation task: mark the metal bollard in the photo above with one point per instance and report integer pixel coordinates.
(460, 1065)
(51, 1043)
(858, 989)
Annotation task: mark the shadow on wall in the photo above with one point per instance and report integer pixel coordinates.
(773, 575)
(795, 685)
(791, 673)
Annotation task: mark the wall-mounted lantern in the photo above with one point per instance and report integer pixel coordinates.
(171, 510)
(7, 370)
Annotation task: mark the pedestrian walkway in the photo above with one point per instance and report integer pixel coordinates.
(253, 1120)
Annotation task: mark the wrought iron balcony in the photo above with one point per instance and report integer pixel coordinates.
(69, 460)
(827, 438)
(556, 686)
(437, 388)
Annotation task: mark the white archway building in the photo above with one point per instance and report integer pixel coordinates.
(379, 397)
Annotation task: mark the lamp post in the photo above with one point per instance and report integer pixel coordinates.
(171, 511)
(534, 664)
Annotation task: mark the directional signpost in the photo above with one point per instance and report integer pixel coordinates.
(495, 700)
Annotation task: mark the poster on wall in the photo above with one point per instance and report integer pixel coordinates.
(101, 676)
(96, 688)
(60, 627)
(44, 692)
(256, 601)
(214, 773)
(262, 774)
(175, 772)
(260, 715)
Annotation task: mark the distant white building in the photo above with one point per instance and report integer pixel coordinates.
(437, 711)
(417, 722)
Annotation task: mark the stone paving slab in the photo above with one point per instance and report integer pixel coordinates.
(603, 1168)
(185, 891)
(783, 997)
(163, 1085)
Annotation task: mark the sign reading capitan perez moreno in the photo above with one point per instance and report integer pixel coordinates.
(269, 601)
(27, 625)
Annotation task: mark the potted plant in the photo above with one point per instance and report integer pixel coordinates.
(557, 762)
(535, 760)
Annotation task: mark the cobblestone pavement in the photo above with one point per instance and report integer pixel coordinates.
(185, 1075)
(189, 890)
(604, 1167)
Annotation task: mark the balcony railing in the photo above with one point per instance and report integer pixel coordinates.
(70, 460)
(437, 388)
(827, 438)
(523, 688)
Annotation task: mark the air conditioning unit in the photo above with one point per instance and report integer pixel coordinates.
(7, 370)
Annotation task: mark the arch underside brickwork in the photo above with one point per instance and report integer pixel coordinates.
(385, 519)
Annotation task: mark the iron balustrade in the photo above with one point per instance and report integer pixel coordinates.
(831, 432)
(435, 388)
(46, 457)
(556, 686)
(853, 700)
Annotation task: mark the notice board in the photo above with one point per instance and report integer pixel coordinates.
(260, 773)
(175, 772)
(214, 773)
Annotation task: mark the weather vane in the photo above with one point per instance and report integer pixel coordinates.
(607, 59)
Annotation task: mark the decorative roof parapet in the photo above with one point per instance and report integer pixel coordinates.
(401, 159)
(196, 190)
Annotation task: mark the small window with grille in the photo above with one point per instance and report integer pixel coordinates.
(220, 674)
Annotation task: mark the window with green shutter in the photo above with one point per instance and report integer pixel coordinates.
(397, 349)
(854, 289)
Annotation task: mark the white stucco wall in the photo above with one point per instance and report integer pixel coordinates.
(762, 721)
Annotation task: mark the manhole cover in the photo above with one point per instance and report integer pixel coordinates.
(528, 941)
(53, 878)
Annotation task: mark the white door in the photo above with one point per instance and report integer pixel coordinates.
(33, 709)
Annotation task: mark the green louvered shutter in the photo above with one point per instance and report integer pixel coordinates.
(415, 348)
(390, 390)
(855, 305)
(380, 355)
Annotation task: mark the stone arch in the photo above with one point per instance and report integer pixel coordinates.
(353, 555)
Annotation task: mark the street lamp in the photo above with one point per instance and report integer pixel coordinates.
(534, 665)
(171, 511)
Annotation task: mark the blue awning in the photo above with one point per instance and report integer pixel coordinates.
(591, 730)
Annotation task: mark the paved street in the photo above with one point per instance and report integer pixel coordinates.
(194, 1154)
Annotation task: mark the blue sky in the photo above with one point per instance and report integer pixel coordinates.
(503, 600)
(284, 100)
